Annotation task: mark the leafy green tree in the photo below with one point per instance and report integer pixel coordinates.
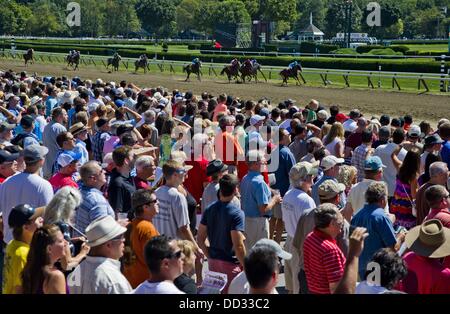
(335, 19)
(188, 11)
(14, 17)
(121, 18)
(155, 15)
(230, 11)
(47, 19)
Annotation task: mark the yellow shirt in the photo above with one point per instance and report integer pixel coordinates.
(15, 260)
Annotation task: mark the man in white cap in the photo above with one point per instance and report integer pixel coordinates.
(241, 285)
(295, 203)
(413, 138)
(330, 166)
(100, 272)
(255, 140)
(68, 162)
(27, 187)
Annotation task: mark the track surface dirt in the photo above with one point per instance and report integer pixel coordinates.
(372, 102)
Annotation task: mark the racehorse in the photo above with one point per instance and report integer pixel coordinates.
(29, 56)
(287, 73)
(73, 60)
(251, 71)
(193, 68)
(115, 62)
(141, 63)
(232, 71)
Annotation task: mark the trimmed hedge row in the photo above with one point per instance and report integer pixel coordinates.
(109, 42)
(419, 42)
(73, 46)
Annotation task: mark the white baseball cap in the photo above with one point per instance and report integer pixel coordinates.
(330, 161)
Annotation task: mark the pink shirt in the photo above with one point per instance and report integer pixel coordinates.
(442, 214)
(110, 144)
(219, 108)
(425, 275)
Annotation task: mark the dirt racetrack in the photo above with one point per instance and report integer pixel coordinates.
(372, 102)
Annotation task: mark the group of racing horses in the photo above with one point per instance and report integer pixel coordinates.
(246, 71)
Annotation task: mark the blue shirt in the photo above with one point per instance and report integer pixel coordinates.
(285, 163)
(381, 233)
(49, 105)
(93, 206)
(445, 153)
(254, 193)
(220, 219)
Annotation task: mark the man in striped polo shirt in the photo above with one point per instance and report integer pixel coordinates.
(94, 204)
(323, 260)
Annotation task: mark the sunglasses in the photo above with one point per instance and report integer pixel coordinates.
(176, 255)
(181, 171)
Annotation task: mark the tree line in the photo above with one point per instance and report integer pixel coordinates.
(167, 18)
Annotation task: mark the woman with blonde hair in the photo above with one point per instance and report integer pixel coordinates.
(325, 130)
(334, 141)
(40, 275)
(347, 176)
(184, 282)
(60, 212)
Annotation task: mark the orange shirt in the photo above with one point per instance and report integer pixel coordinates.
(228, 149)
(141, 232)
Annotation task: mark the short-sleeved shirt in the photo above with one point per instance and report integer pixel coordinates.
(15, 259)
(357, 195)
(324, 262)
(442, 214)
(173, 211)
(286, 161)
(425, 275)
(60, 180)
(254, 193)
(295, 203)
(120, 190)
(381, 233)
(358, 159)
(197, 177)
(93, 205)
(445, 153)
(141, 232)
(228, 148)
(220, 219)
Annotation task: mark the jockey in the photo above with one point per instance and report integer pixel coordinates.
(143, 57)
(253, 61)
(195, 61)
(234, 62)
(292, 65)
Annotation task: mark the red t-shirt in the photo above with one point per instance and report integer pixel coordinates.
(425, 275)
(196, 177)
(60, 180)
(140, 184)
(219, 108)
(441, 214)
(324, 262)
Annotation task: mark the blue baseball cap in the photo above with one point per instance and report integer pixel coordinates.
(119, 103)
(373, 163)
(68, 157)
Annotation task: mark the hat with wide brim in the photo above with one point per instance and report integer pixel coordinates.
(102, 230)
(431, 239)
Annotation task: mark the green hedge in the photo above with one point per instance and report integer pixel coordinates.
(109, 42)
(74, 46)
(368, 48)
(384, 52)
(419, 42)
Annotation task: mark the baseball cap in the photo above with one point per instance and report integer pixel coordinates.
(373, 163)
(6, 126)
(35, 100)
(27, 121)
(433, 139)
(301, 170)
(68, 157)
(124, 128)
(119, 103)
(330, 188)
(255, 119)
(35, 152)
(21, 214)
(275, 246)
(264, 112)
(215, 166)
(6, 156)
(330, 161)
(340, 117)
(414, 131)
